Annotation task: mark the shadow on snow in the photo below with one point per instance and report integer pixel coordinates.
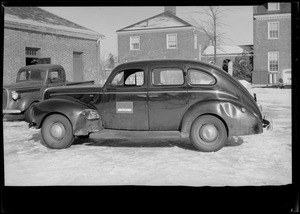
(140, 142)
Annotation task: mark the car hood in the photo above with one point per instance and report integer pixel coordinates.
(24, 85)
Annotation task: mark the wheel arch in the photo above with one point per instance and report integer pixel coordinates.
(26, 101)
(199, 109)
(52, 113)
(67, 108)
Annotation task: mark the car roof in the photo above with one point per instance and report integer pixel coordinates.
(166, 61)
(41, 66)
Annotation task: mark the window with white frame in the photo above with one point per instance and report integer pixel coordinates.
(134, 43)
(171, 41)
(273, 30)
(274, 6)
(195, 41)
(273, 61)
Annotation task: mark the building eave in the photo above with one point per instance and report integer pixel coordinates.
(154, 30)
(186, 24)
(15, 23)
(272, 16)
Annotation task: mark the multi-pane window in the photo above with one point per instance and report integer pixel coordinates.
(171, 41)
(273, 61)
(134, 43)
(32, 52)
(273, 30)
(274, 6)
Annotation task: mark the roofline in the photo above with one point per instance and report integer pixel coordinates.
(272, 16)
(136, 62)
(46, 67)
(155, 29)
(17, 23)
(166, 12)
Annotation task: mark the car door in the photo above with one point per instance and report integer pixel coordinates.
(125, 100)
(168, 100)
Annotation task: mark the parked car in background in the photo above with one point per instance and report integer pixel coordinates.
(30, 85)
(198, 99)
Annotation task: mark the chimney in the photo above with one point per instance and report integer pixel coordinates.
(170, 9)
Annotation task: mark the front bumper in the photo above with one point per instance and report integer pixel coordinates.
(11, 112)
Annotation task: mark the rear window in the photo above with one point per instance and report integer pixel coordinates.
(198, 77)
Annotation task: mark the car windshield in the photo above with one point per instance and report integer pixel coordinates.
(31, 75)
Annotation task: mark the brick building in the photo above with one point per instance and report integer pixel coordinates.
(272, 42)
(33, 35)
(162, 36)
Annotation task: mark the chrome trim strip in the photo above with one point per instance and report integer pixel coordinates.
(149, 92)
(216, 92)
(11, 111)
(7, 97)
(126, 92)
(59, 94)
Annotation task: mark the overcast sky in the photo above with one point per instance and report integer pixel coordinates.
(238, 21)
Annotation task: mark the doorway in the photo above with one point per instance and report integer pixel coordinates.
(77, 67)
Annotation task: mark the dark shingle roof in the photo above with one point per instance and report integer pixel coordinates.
(40, 15)
(37, 19)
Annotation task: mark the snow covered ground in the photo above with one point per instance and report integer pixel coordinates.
(139, 158)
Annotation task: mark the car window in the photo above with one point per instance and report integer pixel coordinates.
(167, 76)
(197, 77)
(130, 77)
(37, 75)
(56, 76)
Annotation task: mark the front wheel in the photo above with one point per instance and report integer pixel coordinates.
(57, 132)
(208, 133)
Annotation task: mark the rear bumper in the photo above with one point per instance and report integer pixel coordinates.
(267, 124)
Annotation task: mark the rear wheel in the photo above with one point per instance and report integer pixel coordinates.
(57, 132)
(208, 133)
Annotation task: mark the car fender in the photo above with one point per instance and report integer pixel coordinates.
(228, 111)
(27, 100)
(70, 109)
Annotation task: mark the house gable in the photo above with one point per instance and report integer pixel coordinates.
(163, 20)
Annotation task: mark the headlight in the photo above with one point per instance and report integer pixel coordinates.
(15, 95)
(90, 114)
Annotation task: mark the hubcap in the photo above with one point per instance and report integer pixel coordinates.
(57, 131)
(208, 132)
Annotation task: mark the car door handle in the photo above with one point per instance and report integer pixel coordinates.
(142, 95)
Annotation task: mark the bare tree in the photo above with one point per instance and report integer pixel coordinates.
(209, 21)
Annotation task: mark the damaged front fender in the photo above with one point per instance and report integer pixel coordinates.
(89, 121)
